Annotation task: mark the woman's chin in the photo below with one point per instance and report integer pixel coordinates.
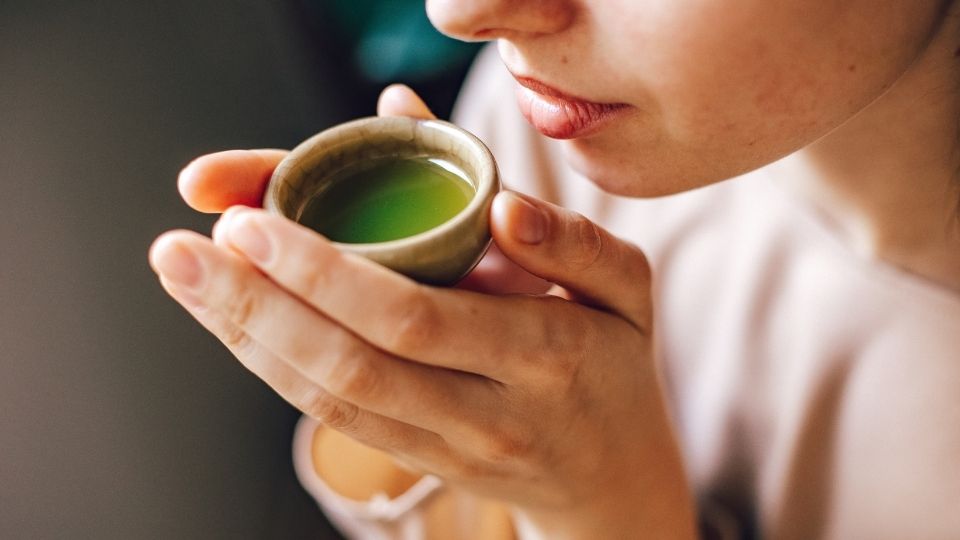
(631, 174)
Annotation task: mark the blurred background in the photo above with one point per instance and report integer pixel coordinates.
(120, 417)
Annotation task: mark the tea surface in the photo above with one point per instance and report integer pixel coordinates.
(386, 200)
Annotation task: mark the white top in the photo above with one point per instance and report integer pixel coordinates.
(817, 393)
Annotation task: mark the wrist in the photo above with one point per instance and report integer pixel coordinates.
(665, 515)
(640, 493)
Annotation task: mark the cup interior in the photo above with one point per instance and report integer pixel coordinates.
(310, 168)
(440, 255)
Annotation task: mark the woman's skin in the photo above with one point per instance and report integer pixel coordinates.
(869, 90)
(552, 403)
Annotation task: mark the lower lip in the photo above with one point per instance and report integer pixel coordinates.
(564, 118)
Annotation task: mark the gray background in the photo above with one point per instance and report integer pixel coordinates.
(119, 417)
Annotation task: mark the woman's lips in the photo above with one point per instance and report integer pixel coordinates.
(562, 116)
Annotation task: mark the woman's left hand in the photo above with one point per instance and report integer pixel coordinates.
(550, 402)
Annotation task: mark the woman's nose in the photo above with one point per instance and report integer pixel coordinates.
(478, 20)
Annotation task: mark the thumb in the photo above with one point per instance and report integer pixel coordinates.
(563, 247)
(400, 100)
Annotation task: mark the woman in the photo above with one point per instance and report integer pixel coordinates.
(786, 364)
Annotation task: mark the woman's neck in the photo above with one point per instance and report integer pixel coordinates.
(889, 178)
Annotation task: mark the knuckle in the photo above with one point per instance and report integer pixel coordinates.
(560, 361)
(469, 471)
(235, 338)
(589, 238)
(311, 281)
(508, 445)
(353, 377)
(636, 302)
(637, 261)
(415, 324)
(242, 306)
(563, 370)
(559, 371)
(329, 410)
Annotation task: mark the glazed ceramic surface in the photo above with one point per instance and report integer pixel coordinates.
(440, 256)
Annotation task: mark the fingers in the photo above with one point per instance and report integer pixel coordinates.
(497, 274)
(566, 248)
(215, 182)
(264, 317)
(371, 429)
(425, 450)
(443, 327)
(400, 100)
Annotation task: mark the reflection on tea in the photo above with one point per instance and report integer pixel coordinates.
(387, 199)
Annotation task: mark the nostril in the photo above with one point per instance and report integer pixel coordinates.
(486, 33)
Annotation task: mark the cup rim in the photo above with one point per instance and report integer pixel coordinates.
(486, 184)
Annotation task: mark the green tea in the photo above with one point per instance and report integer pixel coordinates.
(387, 199)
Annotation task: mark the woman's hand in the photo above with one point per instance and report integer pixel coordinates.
(551, 402)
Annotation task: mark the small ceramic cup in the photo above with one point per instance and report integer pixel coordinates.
(440, 256)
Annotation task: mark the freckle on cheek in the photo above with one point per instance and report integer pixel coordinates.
(851, 68)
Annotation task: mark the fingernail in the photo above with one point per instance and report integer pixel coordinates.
(250, 239)
(177, 263)
(531, 224)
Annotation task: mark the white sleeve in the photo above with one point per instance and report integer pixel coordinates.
(380, 518)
